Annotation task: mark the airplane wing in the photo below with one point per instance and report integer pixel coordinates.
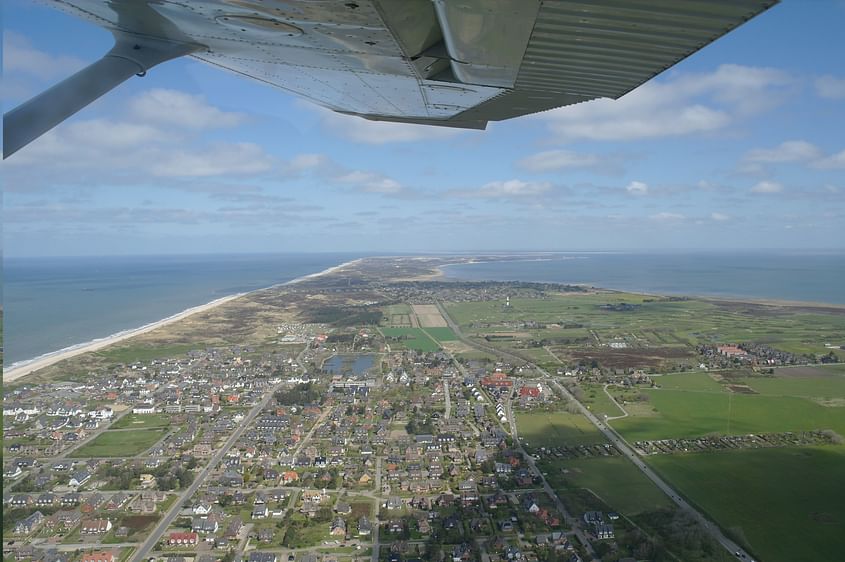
(456, 63)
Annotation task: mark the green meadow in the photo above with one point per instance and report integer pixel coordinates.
(120, 443)
(786, 504)
(613, 479)
(694, 414)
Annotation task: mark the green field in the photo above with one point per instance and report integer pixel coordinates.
(142, 421)
(410, 338)
(613, 479)
(787, 504)
(555, 429)
(817, 387)
(120, 443)
(689, 381)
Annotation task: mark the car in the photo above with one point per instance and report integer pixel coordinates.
(291, 557)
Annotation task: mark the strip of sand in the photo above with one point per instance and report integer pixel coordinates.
(28, 367)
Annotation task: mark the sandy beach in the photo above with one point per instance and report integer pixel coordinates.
(27, 367)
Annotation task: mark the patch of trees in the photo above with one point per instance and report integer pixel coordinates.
(305, 393)
(415, 427)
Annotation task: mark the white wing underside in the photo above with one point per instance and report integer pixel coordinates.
(459, 63)
(438, 62)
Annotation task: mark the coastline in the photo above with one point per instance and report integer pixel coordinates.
(23, 368)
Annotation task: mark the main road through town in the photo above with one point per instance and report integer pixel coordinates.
(171, 514)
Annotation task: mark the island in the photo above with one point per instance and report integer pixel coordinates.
(381, 412)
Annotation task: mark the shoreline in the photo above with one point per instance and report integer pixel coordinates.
(26, 367)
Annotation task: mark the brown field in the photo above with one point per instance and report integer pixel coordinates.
(429, 316)
(741, 389)
(624, 358)
(800, 372)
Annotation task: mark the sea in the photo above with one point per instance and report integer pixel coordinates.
(51, 304)
(788, 276)
(56, 303)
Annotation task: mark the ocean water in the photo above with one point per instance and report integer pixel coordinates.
(793, 276)
(54, 303)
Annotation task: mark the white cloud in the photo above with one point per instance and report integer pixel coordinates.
(180, 109)
(513, 188)
(146, 143)
(309, 161)
(667, 217)
(767, 187)
(830, 87)
(719, 217)
(19, 56)
(558, 160)
(834, 161)
(789, 151)
(370, 182)
(219, 160)
(685, 104)
(637, 188)
(508, 189)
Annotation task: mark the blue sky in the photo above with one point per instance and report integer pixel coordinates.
(739, 146)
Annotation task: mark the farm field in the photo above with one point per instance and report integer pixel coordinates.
(120, 443)
(613, 479)
(429, 316)
(786, 504)
(398, 315)
(554, 429)
(657, 332)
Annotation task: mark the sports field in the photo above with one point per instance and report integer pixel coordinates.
(120, 443)
(786, 504)
(410, 338)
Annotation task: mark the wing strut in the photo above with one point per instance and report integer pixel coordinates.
(131, 55)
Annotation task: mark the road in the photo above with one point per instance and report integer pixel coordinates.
(448, 412)
(711, 528)
(215, 459)
(618, 405)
